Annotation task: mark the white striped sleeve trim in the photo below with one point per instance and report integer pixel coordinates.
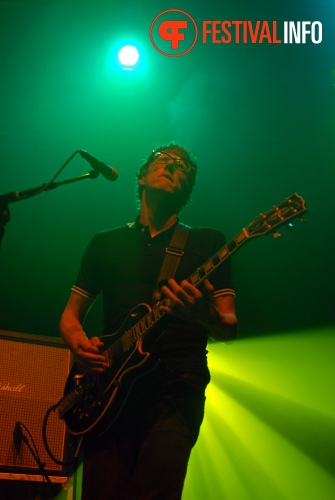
(83, 293)
(224, 291)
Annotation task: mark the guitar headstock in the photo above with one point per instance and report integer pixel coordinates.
(278, 215)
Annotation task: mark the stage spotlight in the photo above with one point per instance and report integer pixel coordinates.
(128, 57)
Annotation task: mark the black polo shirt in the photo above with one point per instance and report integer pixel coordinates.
(124, 263)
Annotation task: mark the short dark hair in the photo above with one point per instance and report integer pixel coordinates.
(188, 158)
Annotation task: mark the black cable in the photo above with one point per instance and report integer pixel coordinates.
(34, 452)
(45, 440)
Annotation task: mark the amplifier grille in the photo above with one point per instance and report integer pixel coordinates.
(32, 379)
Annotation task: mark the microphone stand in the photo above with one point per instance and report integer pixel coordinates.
(14, 196)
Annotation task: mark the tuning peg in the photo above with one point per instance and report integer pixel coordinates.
(276, 235)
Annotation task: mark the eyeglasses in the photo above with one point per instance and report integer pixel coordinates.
(163, 157)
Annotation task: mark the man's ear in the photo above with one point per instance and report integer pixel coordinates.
(140, 181)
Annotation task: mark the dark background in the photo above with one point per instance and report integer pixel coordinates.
(260, 119)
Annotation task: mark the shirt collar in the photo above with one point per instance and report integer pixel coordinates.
(137, 225)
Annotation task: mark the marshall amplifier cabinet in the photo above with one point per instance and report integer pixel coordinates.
(33, 371)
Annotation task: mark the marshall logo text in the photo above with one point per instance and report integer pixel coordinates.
(12, 388)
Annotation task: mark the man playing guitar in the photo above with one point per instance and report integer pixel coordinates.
(144, 454)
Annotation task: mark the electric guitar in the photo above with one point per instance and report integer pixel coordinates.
(93, 401)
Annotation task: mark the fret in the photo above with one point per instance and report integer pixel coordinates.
(194, 279)
(240, 238)
(223, 253)
(208, 266)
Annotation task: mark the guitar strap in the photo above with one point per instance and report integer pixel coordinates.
(173, 254)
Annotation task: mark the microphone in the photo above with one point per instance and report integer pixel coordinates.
(109, 173)
(17, 436)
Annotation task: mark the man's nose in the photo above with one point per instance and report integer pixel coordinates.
(170, 165)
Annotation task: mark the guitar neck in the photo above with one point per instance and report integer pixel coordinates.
(290, 208)
(214, 262)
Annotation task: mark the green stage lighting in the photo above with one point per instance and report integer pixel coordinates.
(128, 57)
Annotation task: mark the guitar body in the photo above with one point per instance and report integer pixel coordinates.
(92, 402)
